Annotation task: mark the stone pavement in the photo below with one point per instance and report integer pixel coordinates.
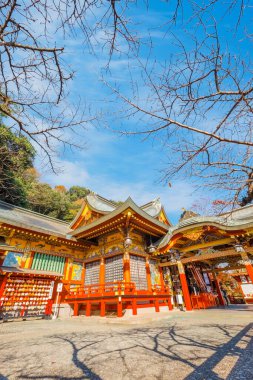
(211, 344)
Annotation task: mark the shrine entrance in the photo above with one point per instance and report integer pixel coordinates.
(202, 282)
(209, 262)
(237, 285)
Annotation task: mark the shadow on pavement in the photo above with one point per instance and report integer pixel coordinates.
(205, 370)
(198, 353)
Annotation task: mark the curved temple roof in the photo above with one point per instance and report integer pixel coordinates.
(100, 204)
(237, 219)
(153, 208)
(241, 218)
(129, 203)
(27, 219)
(103, 205)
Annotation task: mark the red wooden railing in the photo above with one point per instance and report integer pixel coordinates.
(115, 288)
(203, 300)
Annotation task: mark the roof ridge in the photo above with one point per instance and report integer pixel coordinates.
(102, 198)
(236, 209)
(210, 219)
(153, 201)
(33, 212)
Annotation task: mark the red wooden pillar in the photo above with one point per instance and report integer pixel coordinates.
(65, 268)
(161, 277)
(70, 265)
(102, 272)
(102, 309)
(76, 309)
(217, 284)
(157, 309)
(185, 290)
(134, 306)
(148, 276)
(126, 267)
(83, 275)
(88, 309)
(119, 309)
(248, 265)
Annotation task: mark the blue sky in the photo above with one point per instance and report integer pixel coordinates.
(114, 166)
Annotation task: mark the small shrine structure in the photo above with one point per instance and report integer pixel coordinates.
(196, 250)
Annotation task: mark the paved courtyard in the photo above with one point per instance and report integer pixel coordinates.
(211, 344)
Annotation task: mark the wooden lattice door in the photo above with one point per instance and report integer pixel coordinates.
(138, 271)
(114, 269)
(92, 273)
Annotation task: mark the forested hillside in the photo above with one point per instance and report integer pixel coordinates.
(20, 182)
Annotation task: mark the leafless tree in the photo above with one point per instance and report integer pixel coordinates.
(199, 103)
(33, 74)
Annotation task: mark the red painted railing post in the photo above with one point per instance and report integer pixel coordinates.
(76, 309)
(88, 309)
(48, 308)
(119, 308)
(102, 309)
(185, 289)
(134, 306)
(157, 309)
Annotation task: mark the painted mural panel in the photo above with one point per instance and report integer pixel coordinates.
(13, 259)
(154, 271)
(77, 272)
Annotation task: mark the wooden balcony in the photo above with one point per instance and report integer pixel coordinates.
(121, 294)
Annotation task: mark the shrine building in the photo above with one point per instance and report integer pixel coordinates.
(118, 259)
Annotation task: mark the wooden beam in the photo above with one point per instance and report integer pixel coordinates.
(234, 267)
(204, 257)
(210, 256)
(207, 256)
(207, 245)
(167, 264)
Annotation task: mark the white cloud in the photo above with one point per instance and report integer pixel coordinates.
(69, 174)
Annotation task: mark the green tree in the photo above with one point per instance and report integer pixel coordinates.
(78, 192)
(45, 200)
(20, 181)
(16, 156)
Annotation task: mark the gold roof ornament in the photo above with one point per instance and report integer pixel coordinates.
(195, 235)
